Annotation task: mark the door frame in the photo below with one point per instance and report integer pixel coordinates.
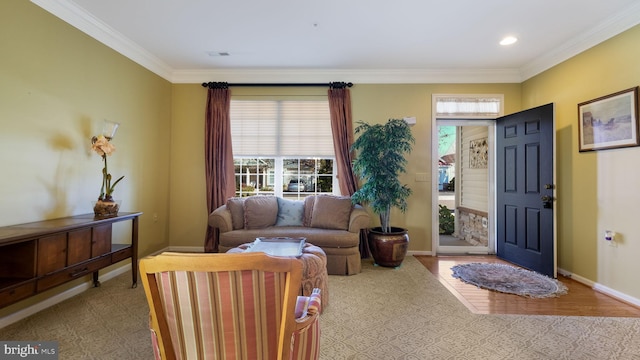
(459, 120)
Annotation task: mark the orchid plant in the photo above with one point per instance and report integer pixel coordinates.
(101, 145)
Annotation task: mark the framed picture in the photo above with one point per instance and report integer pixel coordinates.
(609, 122)
(478, 153)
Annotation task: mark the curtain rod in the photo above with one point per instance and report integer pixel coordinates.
(224, 85)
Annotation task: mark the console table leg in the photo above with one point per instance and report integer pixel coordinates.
(96, 282)
(134, 250)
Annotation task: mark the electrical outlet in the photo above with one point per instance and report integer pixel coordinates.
(610, 238)
(155, 217)
(485, 222)
(421, 177)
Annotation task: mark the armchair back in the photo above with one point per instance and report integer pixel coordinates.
(219, 306)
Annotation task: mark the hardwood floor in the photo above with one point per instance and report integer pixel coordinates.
(581, 300)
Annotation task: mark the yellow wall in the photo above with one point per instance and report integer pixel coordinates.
(57, 85)
(188, 217)
(370, 103)
(377, 103)
(597, 191)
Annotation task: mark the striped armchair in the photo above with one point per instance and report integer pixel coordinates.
(229, 306)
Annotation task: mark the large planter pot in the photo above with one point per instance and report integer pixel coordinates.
(388, 249)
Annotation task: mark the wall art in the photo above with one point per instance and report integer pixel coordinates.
(478, 153)
(609, 122)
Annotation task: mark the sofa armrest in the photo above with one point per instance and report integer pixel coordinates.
(359, 219)
(220, 219)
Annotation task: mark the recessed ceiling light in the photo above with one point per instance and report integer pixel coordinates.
(509, 40)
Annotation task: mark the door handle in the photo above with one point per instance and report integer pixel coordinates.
(547, 201)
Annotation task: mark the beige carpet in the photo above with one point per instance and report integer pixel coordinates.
(109, 322)
(381, 313)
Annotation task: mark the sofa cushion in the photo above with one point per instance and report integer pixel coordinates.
(260, 211)
(331, 212)
(236, 207)
(290, 212)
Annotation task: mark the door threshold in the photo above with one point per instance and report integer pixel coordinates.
(479, 253)
(464, 250)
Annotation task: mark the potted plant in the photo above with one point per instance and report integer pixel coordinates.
(446, 220)
(105, 206)
(380, 159)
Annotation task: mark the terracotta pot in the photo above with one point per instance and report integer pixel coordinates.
(388, 249)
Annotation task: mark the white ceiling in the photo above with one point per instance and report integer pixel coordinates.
(362, 41)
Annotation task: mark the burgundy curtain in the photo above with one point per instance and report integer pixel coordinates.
(342, 129)
(218, 156)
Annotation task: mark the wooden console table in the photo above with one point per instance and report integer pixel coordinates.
(37, 256)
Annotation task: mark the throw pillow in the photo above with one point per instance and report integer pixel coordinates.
(236, 206)
(260, 211)
(308, 210)
(331, 212)
(290, 212)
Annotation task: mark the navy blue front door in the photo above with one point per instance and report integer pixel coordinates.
(525, 189)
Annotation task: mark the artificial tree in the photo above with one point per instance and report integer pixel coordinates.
(380, 159)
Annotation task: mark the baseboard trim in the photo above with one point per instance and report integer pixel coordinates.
(191, 249)
(58, 298)
(419, 253)
(601, 288)
(617, 295)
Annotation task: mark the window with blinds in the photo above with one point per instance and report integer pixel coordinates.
(281, 128)
(282, 147)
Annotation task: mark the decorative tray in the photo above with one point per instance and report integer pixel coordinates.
(278, 246)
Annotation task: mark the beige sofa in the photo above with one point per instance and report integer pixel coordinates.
(329, 222)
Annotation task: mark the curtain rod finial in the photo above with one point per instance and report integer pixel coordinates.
(340, 85)
(216, 85)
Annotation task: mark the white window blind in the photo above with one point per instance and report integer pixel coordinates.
(461, 106)
(281, 128)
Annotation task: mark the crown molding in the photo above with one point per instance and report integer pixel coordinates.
(71, 13)
(605, 30)
(356, 76)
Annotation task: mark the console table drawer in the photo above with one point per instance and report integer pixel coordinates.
(11, 295)
(72, 273)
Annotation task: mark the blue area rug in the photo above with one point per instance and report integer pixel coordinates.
(509, 279)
